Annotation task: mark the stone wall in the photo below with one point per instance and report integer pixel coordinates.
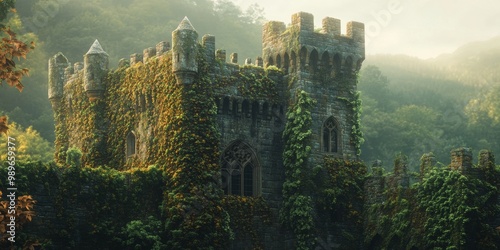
(98, 114)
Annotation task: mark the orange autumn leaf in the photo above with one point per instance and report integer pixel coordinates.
(3, 125)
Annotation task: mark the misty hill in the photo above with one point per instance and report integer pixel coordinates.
(415, 106)
(475, 64)
(127, 27)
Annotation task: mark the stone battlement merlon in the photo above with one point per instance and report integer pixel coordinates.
(299, 47)
(304, 22)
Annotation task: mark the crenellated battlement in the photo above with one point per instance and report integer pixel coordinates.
(299, 48)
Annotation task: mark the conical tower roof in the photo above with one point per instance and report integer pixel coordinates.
(185, 25)
(96, 49)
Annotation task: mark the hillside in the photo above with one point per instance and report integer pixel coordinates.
(413, 105)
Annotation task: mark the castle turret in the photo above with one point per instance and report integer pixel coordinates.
(57, 66)
(95, 67)
(184, 48)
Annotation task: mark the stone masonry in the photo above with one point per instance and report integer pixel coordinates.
(323, 63)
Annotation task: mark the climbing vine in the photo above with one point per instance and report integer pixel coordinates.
(457, 209)
(297, 210)
(447, 209)
(340, 189)
(356, 133)
(193, 206)
(249, 215)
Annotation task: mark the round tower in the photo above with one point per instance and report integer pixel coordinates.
(57, 65)
(184, 52)
(95, 67)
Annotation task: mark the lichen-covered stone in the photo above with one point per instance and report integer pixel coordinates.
(95, 68)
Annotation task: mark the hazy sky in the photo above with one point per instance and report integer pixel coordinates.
(421, 28)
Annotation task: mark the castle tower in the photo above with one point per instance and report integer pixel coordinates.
(184, 50)
(324, 64)
(57, 66)
(95, 67)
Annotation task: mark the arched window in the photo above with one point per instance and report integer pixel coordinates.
(325, 62)
(225, 105)
(130, 144)
(302, 59)
(313, 61)
(278, 61)
(265, 110)
(270, 61)
(240, 170)
(337, 61)
(245, 108)
(348, 65)
(331, 136)
(286, 65)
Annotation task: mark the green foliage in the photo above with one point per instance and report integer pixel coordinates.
(297, 210)
(447, 209)
(193, 206)
(457, 209)
(249, 215)
(140, 234)
(29, 145)
(93, 205)
(396, 218)
(356, 132)
(343, 187)
(257, 86)
(6, 7)
(340, 197)
(74, 157)
(406, 120)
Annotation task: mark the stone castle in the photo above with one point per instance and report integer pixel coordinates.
(323, 63)
(251, 113)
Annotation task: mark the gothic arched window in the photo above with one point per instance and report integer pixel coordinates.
(240, 170)
(130, 144)
(331, 136)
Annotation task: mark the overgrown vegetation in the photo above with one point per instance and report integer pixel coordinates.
(297, 210)
(447, 209)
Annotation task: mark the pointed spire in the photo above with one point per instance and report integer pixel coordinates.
(96, 49)
(185, 24)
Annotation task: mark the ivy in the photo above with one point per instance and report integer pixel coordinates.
(249, 215)
(81, 209)
(447, 209)
(457, 208)
(297, 210)
(193, 203)
(341, 195)
(356, 133)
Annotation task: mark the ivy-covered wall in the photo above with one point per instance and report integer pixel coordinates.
(81, 208)
(448, 207)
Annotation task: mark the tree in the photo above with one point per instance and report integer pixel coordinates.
(3, 125)
(11, 48)
(30, 146)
